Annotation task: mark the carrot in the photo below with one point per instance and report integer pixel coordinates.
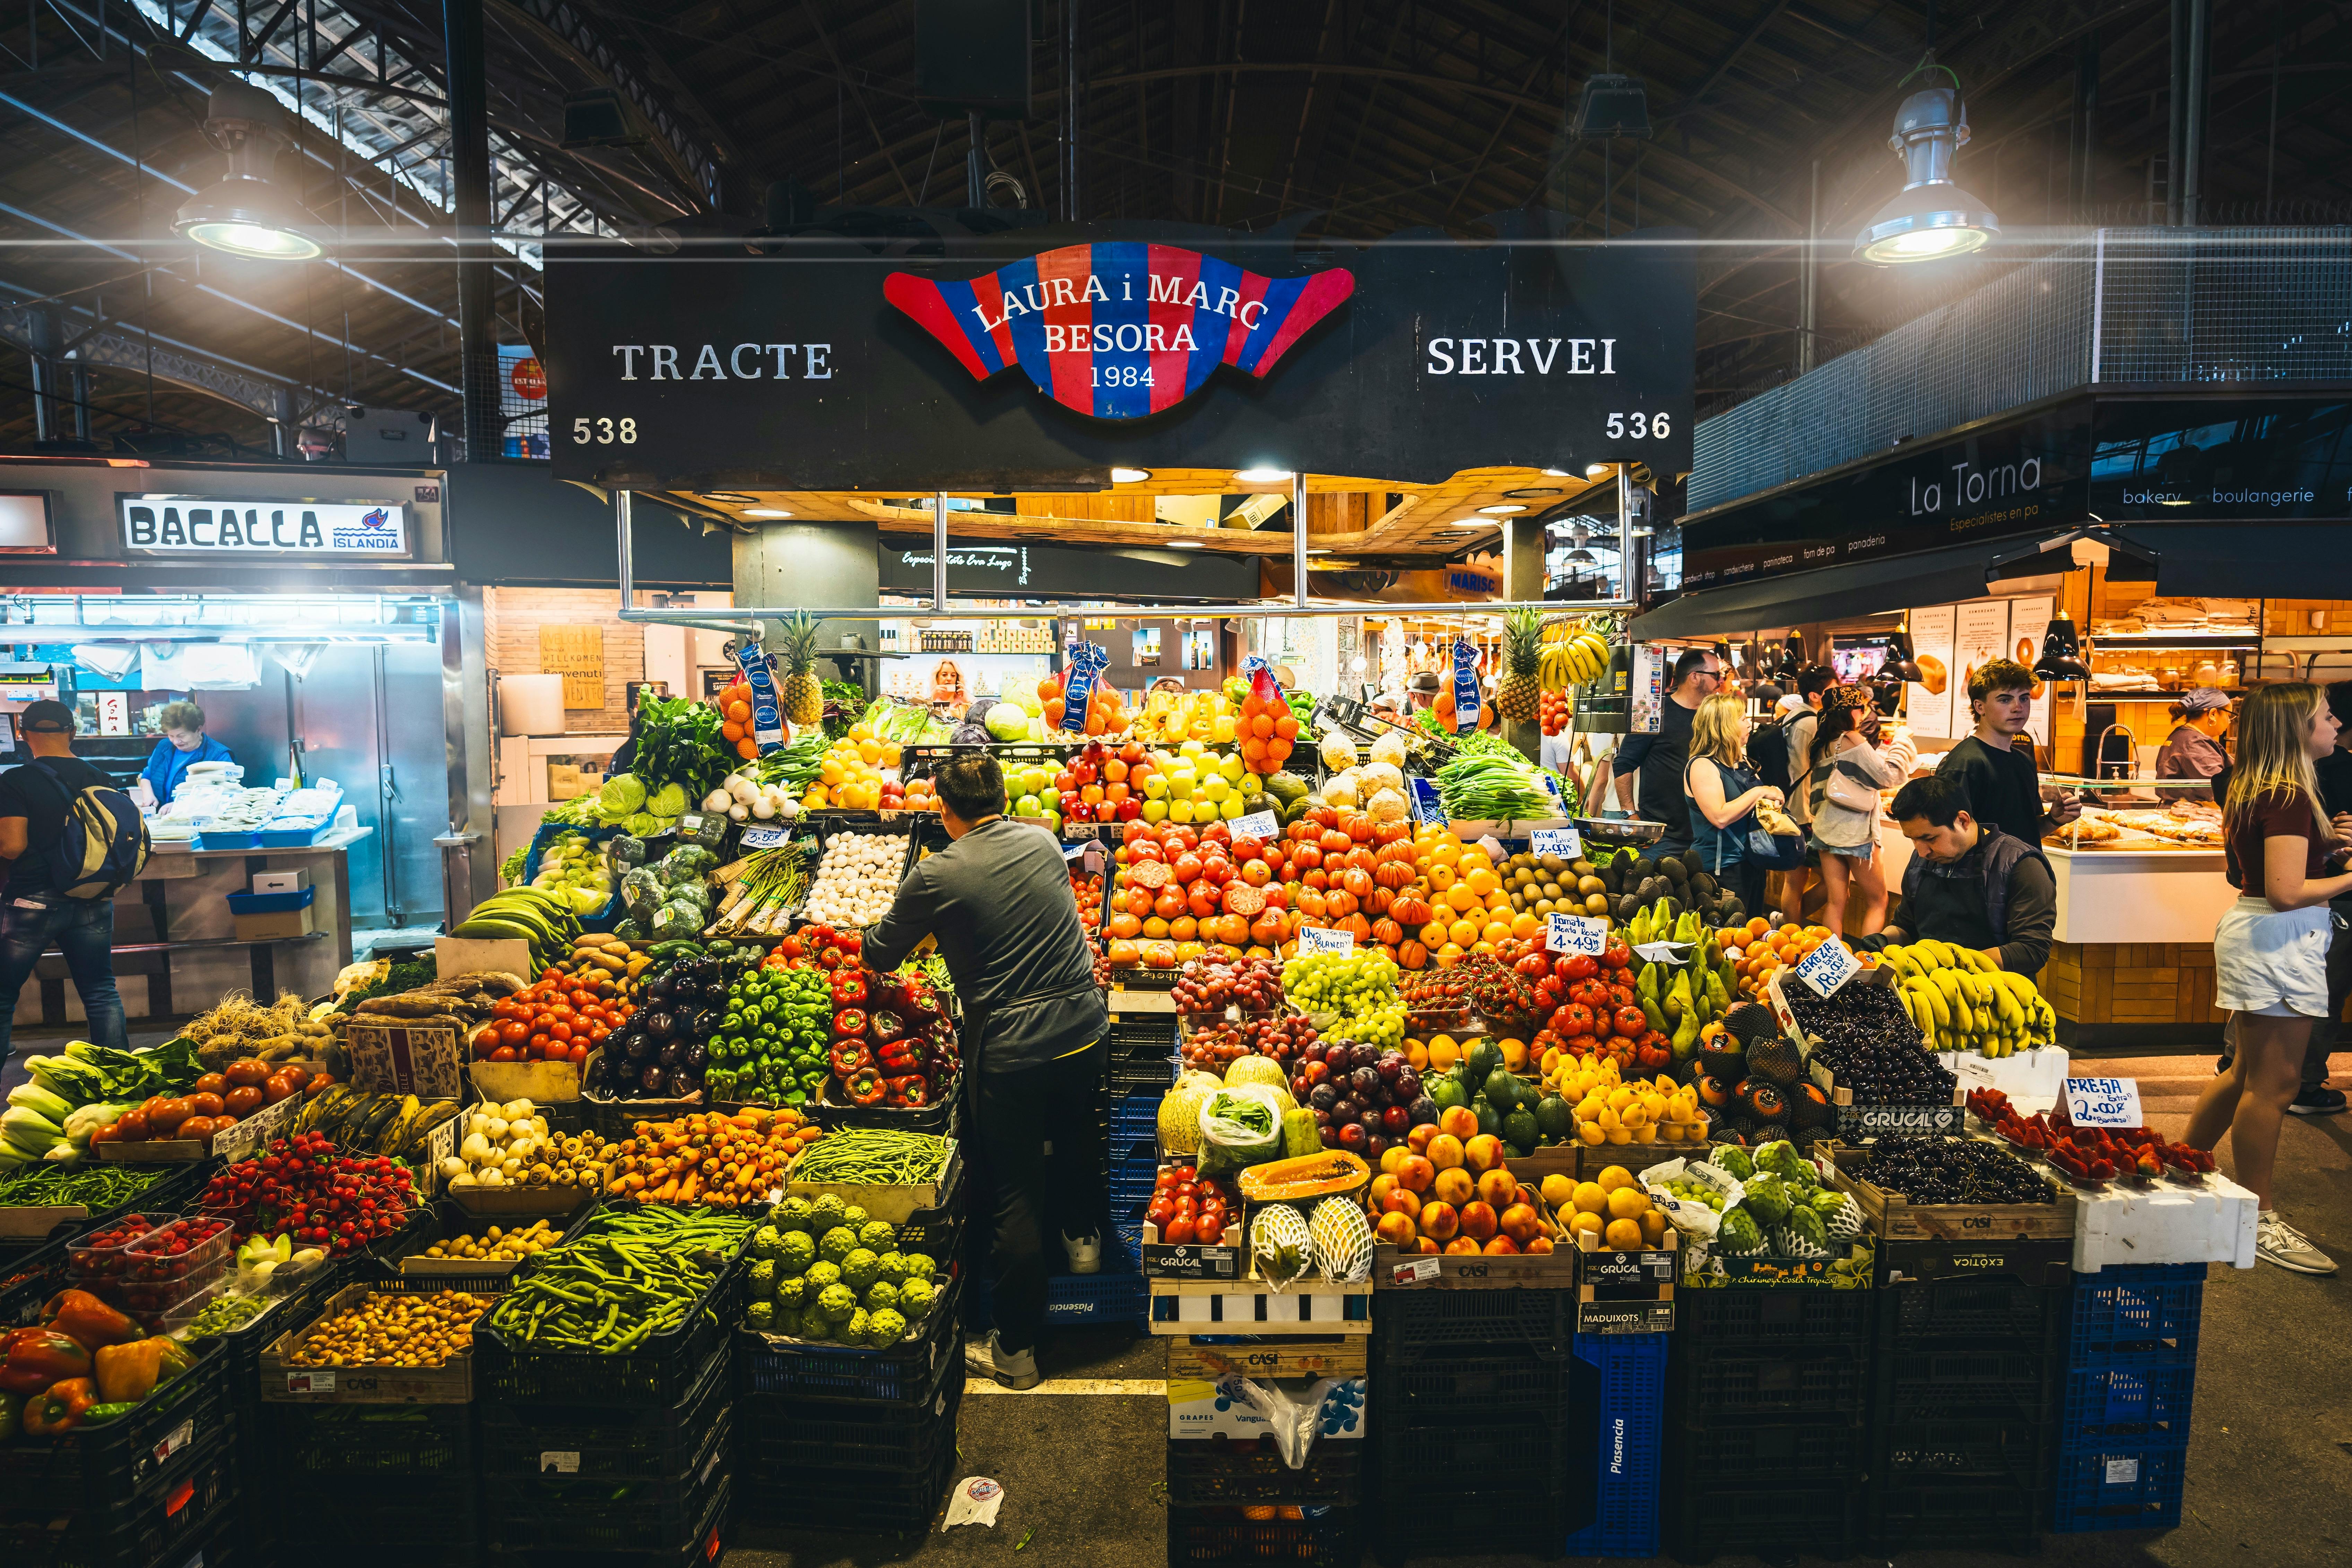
(691, 1189)
(666, 1193)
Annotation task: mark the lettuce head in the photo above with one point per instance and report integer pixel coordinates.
(621, 794)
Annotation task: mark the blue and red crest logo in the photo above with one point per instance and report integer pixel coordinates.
(374, 520)
(1119, 331)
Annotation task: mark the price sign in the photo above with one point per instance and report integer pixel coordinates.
(1262, 826)
(764, 836)
(1080, 832)
(1829, 966)
(1564, 842)
(558, 1461)
(1323, 938)
(1576, 933)
(2103, 1102)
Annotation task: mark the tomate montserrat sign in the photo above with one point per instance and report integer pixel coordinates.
(1120, 330)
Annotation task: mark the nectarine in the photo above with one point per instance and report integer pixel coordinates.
(1479, 1221)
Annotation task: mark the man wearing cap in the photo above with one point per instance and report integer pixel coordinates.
(34, 800)
(2194, 749)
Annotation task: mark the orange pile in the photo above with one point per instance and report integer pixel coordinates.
(734, 704)
(1443, 1191)
(727, 1161)
(1266, 732)
(1756, 949)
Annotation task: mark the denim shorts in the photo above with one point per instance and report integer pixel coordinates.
(1862, 852)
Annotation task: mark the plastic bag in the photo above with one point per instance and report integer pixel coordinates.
(675, 920)
(1241, 1124)
(640, 892)
(625, 852)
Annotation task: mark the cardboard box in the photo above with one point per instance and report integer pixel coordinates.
(1852, 1273)
(467, 955)
(1396, 1269)
(893, 1206)
(283, 1384)
(541, 1083)
(282, 882)
(1630, 1292)
(389, 1055)
(1204, 1385)
(280, 925)
(1218, 1260)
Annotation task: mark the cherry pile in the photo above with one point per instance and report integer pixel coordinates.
(1954, 1171)
(306, 1186)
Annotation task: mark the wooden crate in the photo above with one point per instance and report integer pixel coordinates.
(1210, 1359)
(2133, 993)
(1393, 1269)
(1249, 1307)
(452, 1382)
(1894, 1218)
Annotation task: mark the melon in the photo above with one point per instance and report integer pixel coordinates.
(1281, 1243)
(1343, 1240)
(1180, 1113)
(1257, 1069)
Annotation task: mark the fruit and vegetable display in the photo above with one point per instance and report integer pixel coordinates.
(857, 772)
(1355, 1096)
(314, 1192)
(890, 1044)
(559, 1017)
(1553, 711)
(1186, 1207)
(1759, 947)
(1574, 652)
(85, 1363)
(1278, 1037)
(1613, 1208)
(148, 1264)
(872, 1157)
(723, 1163)
(543, 917)
(393, 1329)
(1438, 1193)
(510, 1146)
(1588, 1102)
(1954, 1171)
(670, 900)
(1482, 988)
(69, 1099)
(2088, 1154)
(1961, 1001)
(239, 1027)
(1752, 1080)
(858, 879)
(1863, 1035)
(1331, 1236)
(496, 1244)
(1483, 1086)
(772, 1045)
(1768, 1201)
(745, 796)
(572, 865)
(395, 1126)
(660, 1051)
(1600, 1009)
(631, 1274)
(1489, 781)
(1683, 881)
(825, 1271)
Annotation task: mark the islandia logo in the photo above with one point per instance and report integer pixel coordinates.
(1119, 331)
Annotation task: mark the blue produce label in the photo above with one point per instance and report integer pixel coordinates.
(1466, 687)
(1087, 661)
(767, 719)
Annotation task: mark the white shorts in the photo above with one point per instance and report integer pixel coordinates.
(2270, 963)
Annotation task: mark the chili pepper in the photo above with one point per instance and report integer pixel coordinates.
(848, 987)
(60, 1408)
(850, 1056)
(99, 1414)
(910, 1091)
(39, 1357)
(863, 1086)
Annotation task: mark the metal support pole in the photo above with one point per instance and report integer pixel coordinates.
(43, 324)
(469, 142)
(1298, 535)
(1625, 585)
(2193, 140)
(1811, 292)
(2175, 100)
(939, 553)
(622, 508)
(78, 388)
(975, 171)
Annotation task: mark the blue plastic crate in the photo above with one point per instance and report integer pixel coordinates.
(2143, 1401)
(2117, 1488)
(1632, 1370)
(1135, 1118)
(1116, 1295)
(271, 903)
(2154, 1307)
(1130, 1184)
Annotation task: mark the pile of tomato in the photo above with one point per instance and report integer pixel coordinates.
(551, 1020)
(214, 1103)
(1187, 1207)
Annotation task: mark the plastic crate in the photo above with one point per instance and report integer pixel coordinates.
(1630, 1371)
(174, 1188)
(1530, 1453)
(1434, 1391)
(1776, 1520)
(2030, 1303)
(1206, 1537)
(2131, 1310)
(1963, 1377)
(1134, 1118)
(1207, 1475)
(387, 1519)
(662, 1371)
(905, 1374)
(1407, 1523)
(1130, 1182)
(1817, 1381)
(645, 1512)
(1118, 1294)
(1767, 1315)
(901, 1494)
(783, 1437)
(243, 1347)
(524, 1440)
(1943, 1513)
(1925, 1444)
(1411, 1324)
(2134, 1400)
(101, 1465)
(134, 1532)
(700, 1548)
(371, 1443)
(2117, 1488)
(1757, 1453)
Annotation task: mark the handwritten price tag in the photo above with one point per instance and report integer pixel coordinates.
(1576, 933)
(1829, 966)
(764, 836)
(2103, 1102)
(1323, 938)
(1261, 825)
(1564, 842)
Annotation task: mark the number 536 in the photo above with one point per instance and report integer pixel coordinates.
(1639, 425)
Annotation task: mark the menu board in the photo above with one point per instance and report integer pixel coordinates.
(2028, 619)
(1980, 635)
(1929, 704)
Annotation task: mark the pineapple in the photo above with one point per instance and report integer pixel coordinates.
(1518, 695)
(800, 697)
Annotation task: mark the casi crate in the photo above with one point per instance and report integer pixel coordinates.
(586, 1441)
(1210, 1475)
(284, 1376)
(2130, 1400)
(1711, 1383)
(801, 1369)
(782, 1438)
(2117, 1488)
(1799, 1315)
(2128, 1310)
(1622, 1381)
(1812, 1516)
(1414, 1324)
(1318, 1537)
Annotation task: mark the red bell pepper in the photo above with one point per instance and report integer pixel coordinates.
(848, 987)
(850, 1056)
(59, 1409)
(39, 1357)
(89, 1319)
(910, 1091)
(865, 1087)
(849, 1023)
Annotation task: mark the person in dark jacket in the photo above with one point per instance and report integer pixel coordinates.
(1994, 762)
(1969, 883)
(1036, 1038)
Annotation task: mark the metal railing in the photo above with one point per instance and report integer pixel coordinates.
(2137, 306)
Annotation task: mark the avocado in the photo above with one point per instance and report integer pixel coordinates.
(1704, 887)
(1674, 869)
(1628, 906)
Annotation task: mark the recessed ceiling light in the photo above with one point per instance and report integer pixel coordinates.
(1499, 510)
(1183, 544)
(1130, 475)
(1594, 470)
(1262, 476)
(764, 512)
(1556, 473)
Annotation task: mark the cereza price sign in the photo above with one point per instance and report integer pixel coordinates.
(1828, 966)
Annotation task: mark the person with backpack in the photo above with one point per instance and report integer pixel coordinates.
(1969, 883)
(1851, 766)
(69, 840)
(1781, 750)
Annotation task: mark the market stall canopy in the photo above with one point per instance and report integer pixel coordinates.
(1832, 593)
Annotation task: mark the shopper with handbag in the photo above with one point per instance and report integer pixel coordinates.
(1849, 769)
(1722, 793)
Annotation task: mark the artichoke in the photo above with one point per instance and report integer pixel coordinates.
(875, 1236)
(836, 1302)
(885, 1329)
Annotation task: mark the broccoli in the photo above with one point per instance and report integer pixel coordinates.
(641, 891)
(676, 920)
(625, 852)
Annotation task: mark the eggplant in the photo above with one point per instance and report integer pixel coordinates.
(686, 1081)
(661, 1024)
(661, 990)
(653, 1081)
(698, 1056)
(671, 1055)
(639, 1049)
(714, 993)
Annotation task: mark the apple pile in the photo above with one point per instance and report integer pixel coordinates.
(1104, 782)
(1364, 1100)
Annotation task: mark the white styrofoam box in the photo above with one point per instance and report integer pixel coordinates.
(1236, 1311)
(2211, 1223)
(2034, 1079)
(292, 882)
(1209, 1409)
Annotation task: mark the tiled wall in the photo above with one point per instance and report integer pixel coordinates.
(511, 618)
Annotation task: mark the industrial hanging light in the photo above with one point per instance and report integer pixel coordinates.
(243, 213)
(2062, 651)
(1899, 662)
(1930, 217)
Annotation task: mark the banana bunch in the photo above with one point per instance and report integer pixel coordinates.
(542, 917)
(1962, 1001)
(1572, 654)
(391, 1125)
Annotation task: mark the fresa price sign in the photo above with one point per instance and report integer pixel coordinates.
(2103, 1102)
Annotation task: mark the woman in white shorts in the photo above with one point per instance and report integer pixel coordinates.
(2270, 948)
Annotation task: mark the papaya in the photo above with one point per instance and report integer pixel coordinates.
(1320, 1175)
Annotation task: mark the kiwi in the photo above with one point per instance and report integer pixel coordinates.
(1581, 868)
(1589, 885)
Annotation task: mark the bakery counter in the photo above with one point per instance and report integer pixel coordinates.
(2132, 964)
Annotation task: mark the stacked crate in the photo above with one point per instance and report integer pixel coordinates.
(1617, 1381)
(1231, 1496)
(1970, 1336)
(2130, 1379)
(1767, 1403)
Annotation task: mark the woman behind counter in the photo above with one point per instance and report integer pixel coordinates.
(183, 742)
(2194, 749)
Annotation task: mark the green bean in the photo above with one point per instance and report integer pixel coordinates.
(95, 1187)
(873, 1157)
(629, 1275)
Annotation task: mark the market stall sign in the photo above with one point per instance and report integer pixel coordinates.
(1576, 933)
(226, 527)
(1119, 331)
(2103, 1101)
(1324, 939)
(1828, 966)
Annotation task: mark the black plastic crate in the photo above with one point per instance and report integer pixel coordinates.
(572, 1511)
(1812, 1517)
(1212, 1474)
(1759, 1453)
(906, 1374)
(1988, 1377)
(700, 1548)
(137, 1532)
(782, 1436)
(244, 1345)
(1706, 1385)
(1767, 1315)
(1206, 1537)
(1433, 1391)
(371, 1443)
(101, 1465)
(175, 1189)
(1942, 1290)
(1947, 1513)
(1405, 1523)
(526, 1439)
(902, 1496)
(1535, 1451)
(2133, 1311)
(384, 1519)
(1410, 1324)
(1928, 1444)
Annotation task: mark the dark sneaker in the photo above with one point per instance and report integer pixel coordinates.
(2320, 1100)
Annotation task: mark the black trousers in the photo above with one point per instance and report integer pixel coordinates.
(1037, 1197)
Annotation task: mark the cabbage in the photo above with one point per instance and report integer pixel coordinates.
(676, 921)
(1007, 721)
(669, 801)
(1025, 697)
(621, 794)
(640, 825)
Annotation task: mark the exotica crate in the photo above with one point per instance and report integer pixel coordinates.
(2005, 1376)
(1938, 1292)
(2136, 1310)
(2119, 1488)
(1626, 1376)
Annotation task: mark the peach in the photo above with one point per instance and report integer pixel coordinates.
(1415, 1174)
(1462, 1246)
(1483, 1153)
(1418, 1138)
(1502, 1246)
(1403, 1201)
(1479, 1221)
(1520, 1222)
(1439, 1221)
(1445, 1152)
(1382, 1185)
(1459, 1121)
(1455, 1186)
(1396, 1230)
(1498, 1188)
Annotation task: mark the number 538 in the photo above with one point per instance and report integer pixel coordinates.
(604, 432)
(1639, 425)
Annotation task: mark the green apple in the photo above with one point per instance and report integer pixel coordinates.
(1155, 810)
(1155, 787)
(1029, 806)
(1193, 748)
(1180, 811)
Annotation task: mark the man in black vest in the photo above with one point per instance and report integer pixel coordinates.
(1969, 883)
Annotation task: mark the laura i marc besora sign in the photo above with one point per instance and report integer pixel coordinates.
(219, 526)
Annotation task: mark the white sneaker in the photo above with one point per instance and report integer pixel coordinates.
(2276, 1241)
(1085, 1254)
(986, 1358)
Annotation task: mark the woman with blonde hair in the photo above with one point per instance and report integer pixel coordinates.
(1723, 793)
(2270, 948)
